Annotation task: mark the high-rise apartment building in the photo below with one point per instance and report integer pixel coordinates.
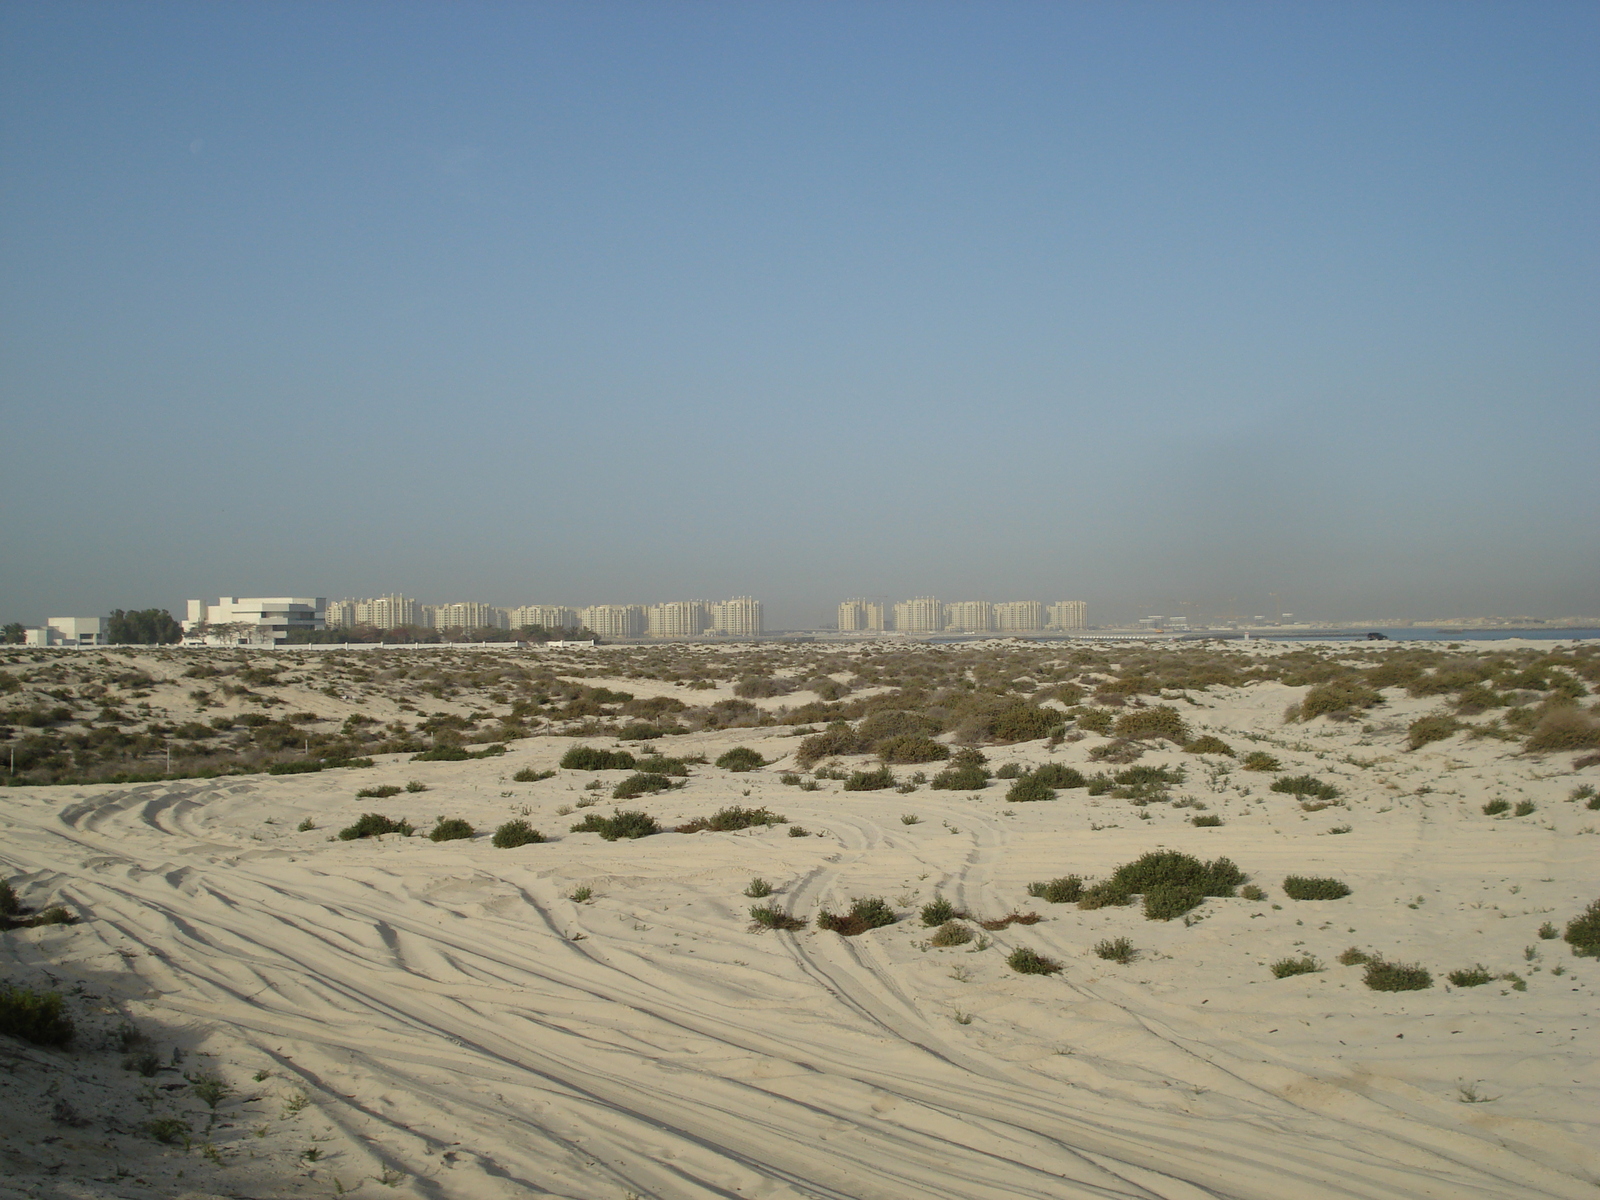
(1068, 615)
(860, 616)
(380, 612)
(678, 618)
(920, 614)
(738, 617)
(969, 616)
(550, 616)
(466, 614)
(614, 620)
(1019, 616)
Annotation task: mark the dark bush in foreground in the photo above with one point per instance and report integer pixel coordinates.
(1475, 976)
(516, 833)
(1162, 721)
(869, 781)
(1066, 890)
(740, 758)
(1305, 785)
(374, 825)
(1030, 962)
(1303, 887)
(631, 824)
(529, 775)
(728, 820)
(1207, 744)
(912, 748)
(769, 916)
(640, 784)
(36, 1017)
(1583, 931)
(591, 758)
(1029, 788)
(1118, 950)
(866, 912)
(450, 829)
(1384, 976)
(1286, 967)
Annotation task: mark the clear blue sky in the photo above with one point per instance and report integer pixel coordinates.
(1232, 305)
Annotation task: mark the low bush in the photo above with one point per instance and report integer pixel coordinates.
(1023, 723)
(740, 758)
(758, 888)
(761, 687)
(937, 911)
(640, 784)
(728, 820)
(960, 779)
(1167, 901)
(656, 764)
(1207, 744)
(1305, 785)
(799, 831)
(1260, 760)
(951, 933)
(912, 748)
(1027, 789)
(1118, 950)
(515, 833)
(1207, 821)
(1251, 892)
(378, 793)
(1030, 962)
(592, 758)
(833, 742)
(1303, 887)
(1095, 720)
(770, 916)
(1434, 728)
(1145, 724)
(1495, 807)
(1285, 967)
(1524, 808)
(869, 781)
(1066, 890)
(457, 753)
(628, 824)
(529, 775)
(416, 785)
(374, 825)
(1337, 697)
(1384, 976)
(1059, 775)
(866, 912)
(450, 829)
(1108, 893)
(1012, 918)
(1564, 728)
(1353, 957)
(1475, 976)
(37, 1017)
(1583, 931)
(1011, 770)
(1220, 877)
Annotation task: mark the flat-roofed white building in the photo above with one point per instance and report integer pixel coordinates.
(548, 616)
(254, 620)
(920, 614)
(614, 620)
(1068, 615)
(738, 617)
(969, 616)
(1019, 616)
(67, 631)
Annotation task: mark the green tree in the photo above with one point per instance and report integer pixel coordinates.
(143, 627)
(12, 633)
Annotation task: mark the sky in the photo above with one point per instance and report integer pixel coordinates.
(1208, 308)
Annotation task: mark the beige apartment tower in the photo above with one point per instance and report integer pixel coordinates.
(920, 614)
(969, 616)
(678, 618)
(614, 620)
(1069, 615)
(1019, 616)
(860, 616)
(547, 616)
(738, 617)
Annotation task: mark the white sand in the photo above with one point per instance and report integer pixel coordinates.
(457, 1022)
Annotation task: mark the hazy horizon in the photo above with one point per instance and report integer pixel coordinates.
(1227, 308)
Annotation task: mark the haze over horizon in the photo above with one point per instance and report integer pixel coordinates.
(1225, 308)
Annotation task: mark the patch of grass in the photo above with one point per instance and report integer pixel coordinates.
(1495, 807)
(1434, 728)
(582, 895)
(869, 781)
(1118, 950)
(799, 831)
(210, 1087)
(740, 758)
(592, 758)
(1475, 976)
(169, 1130)
(450, 829)
(626, 824)
(515, 833)
(1549, 932)
(1384, 976)
(529, 775)
(1030, 962)
(1583, 931)
(866, 912)
(306, 826)
(416, 785)
(378, 793)
(951, 933)
(1523, 808)
(1260, 760)
(639, 784)
(728, 820)
(1306, 887)
(37, 1017)
(1208, 744)
(1305, 785)
(769, 916)
(1066, 890)
(758, 888)
(1285, 967)
(374, 825)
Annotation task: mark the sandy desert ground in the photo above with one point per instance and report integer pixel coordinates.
(396, 1016)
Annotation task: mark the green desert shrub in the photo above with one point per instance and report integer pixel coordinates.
(515, 833)
(640, 783)
(760, 687)
(1305, 785)
(1337, 697)
(37, 1017)
(869, 781)
(1353, 957)
(1118, 950)
(740, 758)
(1382, 976)
(1303, 887)
(1206, 821)
(960, 779)
(450, 829)
(1011, 770)
(529, 775)
(592, 758)
(833, 742)
(866, 912)
(1564, 728)
(1208, 744)
(1260, 760)
(1145, 724)
(1251, 892)
(1023, 723)
(1524, 808)
(1172, 868)
(1066, 890)
(1095, 720)
(1107, 893)
(951, 933)
(626, 824)
(378, 793)
(1475, 976)
(1167, 901)
(758, 888)
(770, 916)
(731, 819)
(1285, 967)
(1030, 962)
(1583, 931)
(1494, 808)
(912, 748)
(374, 825)
(657, 764)
(937, 911)
(10, 902)
(1059, 775)
(881, 726)
(457, 753)
(1434, 728)
(1029, 788)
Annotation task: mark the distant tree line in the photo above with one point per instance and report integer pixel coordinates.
(143, 627)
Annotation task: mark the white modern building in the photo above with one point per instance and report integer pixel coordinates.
(67, 631)
(1019, 616)
(253, 620)
(738, 617)
(1069, 615)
